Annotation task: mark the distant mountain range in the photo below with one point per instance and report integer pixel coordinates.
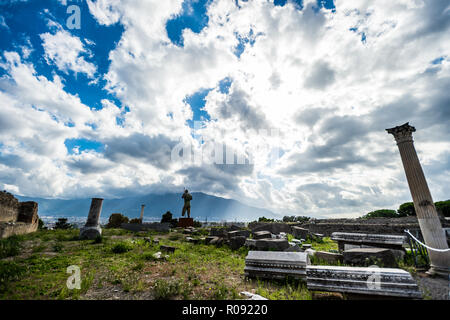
(203, 207)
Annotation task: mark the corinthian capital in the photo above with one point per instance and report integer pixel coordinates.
(402, 133)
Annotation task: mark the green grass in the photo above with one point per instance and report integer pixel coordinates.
(35, 267)
(289, 289)
(326, 244)
(11, 246)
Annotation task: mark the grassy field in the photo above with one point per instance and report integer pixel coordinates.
(120, 265)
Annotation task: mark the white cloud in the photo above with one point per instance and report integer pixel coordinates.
(66, 52)
(308, 74)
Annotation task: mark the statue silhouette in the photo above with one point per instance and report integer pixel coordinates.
(187, 203)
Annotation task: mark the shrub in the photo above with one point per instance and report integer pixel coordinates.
(220, 292)
(9, 271)
(10, 247)
(164, 289)
(197, 224)
(98, 239)
(40, 224)
(116, 220)
(58, 247)
(136, 220)
(122, 247)
(176, 237)
(264, 219)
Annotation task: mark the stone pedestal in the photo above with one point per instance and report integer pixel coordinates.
(185, 222)
(429, 222)
(92, 229)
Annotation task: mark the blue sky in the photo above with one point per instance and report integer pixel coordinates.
(100, 108)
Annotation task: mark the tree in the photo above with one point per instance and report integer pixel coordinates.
(264, 219)
(406, 210)
(116, 220)
(62, 224)
(443, 207)
(295, 219)
(167, 217)
(383, 213)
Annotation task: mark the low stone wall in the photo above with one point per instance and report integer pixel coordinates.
(9, 229)
(394, 226)
(274, 227)
(136, 227)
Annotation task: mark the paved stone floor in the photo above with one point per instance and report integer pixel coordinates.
(434, 287)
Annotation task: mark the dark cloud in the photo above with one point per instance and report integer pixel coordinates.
(345, 135)
(154, 150)
(320, 77)
(89, 166)
(435, 18)
(15, 161)
(236, 106)
(209, 178)
(326, 196)
(311, 116)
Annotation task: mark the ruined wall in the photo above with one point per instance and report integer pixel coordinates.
(16, 217)
(9, 207)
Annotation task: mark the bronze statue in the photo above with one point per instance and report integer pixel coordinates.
(187, 203)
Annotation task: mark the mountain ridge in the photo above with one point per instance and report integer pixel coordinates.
(203, 207)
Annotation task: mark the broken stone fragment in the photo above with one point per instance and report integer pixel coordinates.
(157, 255)
(252, 296)
(370, 256)
(168, 248)
(237, 242)
(238, 233)
(272, 244)
(210, 238)
(329, 256)
(262, 235)
(294, 248)
(310, 252)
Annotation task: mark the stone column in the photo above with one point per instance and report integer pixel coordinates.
(92, 229)
(142, 212)
(429, 222)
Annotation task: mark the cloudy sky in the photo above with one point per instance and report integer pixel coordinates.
(297, 93)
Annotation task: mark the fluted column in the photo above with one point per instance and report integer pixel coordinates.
(429, 222)
(92, 229)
